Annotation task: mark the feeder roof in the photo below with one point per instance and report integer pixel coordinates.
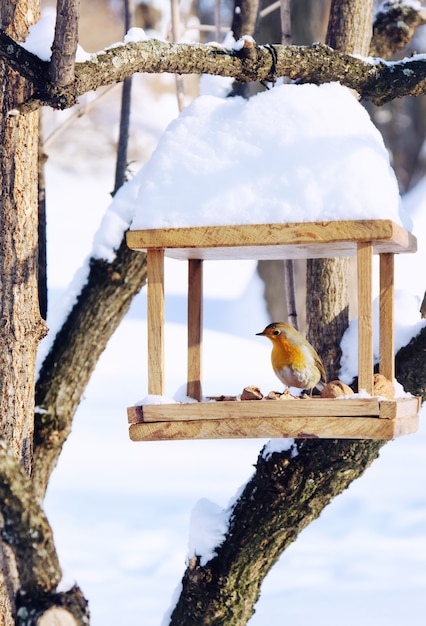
(295, 153)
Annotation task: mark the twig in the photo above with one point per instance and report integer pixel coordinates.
(217, 18)
(123, 140)
(289, 279)
(180, 91)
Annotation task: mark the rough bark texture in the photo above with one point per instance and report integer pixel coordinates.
(61, 68)
(21, 327)
(287, 492)
(328, 316)
(395, 24)
(350, 26)
(244, 20)
(411, 365)
(99, 309)
(378, 82)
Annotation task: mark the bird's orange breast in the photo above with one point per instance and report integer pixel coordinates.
(287, 354)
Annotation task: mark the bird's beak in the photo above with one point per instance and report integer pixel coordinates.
(262, 333)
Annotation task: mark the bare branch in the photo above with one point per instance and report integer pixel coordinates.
(61, 68)
(126, 100)
(378, 80)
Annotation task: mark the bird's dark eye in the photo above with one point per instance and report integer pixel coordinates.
(276, 332)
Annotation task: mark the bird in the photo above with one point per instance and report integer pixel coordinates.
(294, 360)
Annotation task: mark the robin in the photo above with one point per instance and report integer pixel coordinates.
(293, 359)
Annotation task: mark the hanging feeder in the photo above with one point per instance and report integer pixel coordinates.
(226, 182)
(357, 418)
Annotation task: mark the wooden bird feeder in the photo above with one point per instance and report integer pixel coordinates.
(358, 418)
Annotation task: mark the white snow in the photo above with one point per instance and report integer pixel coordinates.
(207, 529)
(293, 153)
(279, 445)
(40, 38)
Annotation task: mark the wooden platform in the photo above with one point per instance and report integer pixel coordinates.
(359, 418)
(350, 419)
(275, 241)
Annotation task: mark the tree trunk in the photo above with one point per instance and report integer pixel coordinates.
(349, 31)
(22, 327)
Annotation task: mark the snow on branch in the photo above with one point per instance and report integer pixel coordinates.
(374, 79)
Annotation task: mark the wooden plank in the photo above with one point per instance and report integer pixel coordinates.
(402, 407)
(387, 341)
(155, 320)
(365, 316)
(297, 240)
(320, 427)
(195, 328)
(251, 409)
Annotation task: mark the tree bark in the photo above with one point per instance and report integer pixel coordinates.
(287, 492)
(21, 327)
(99, 309)
(373, 80)
(64, 47)
(349, 31)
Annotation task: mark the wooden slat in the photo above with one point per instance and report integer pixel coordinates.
(279, 241)
(403, 407)
(195, 328)
(155, 317)
(319, 427)
(387, 341)
(315, 407)
(365, 316)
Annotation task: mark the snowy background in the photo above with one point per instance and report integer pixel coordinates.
(121, 511)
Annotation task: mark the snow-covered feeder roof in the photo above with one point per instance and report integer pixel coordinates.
(295, 153)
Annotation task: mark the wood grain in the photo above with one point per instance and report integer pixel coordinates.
(276, 241)
(365, 316)
(195, 328)
(314, 427)
(252, 409)
(155, 316)
(387, 295)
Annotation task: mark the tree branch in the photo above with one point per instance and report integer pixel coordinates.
(395, 24)
(25, 528)
(100, 307)
(375, 80)
(61, 67)
(287, 492)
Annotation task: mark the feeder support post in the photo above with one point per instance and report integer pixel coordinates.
(365, 316)
(387, 316)
(155, 314)
(195, 328)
